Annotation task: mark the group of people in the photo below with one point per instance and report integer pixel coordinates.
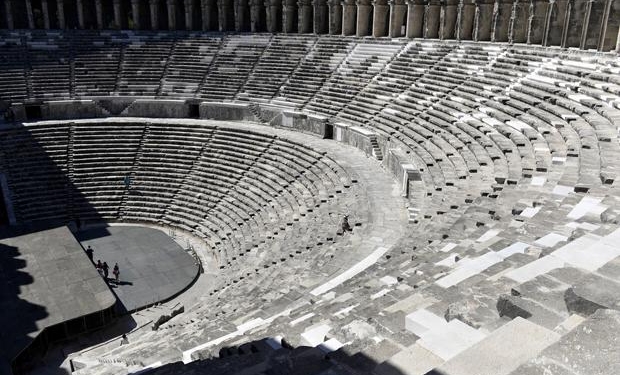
(103, 268)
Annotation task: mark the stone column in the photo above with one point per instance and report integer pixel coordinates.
(536, 21)
(380, 18)
(483, 20)
(364, 13)
(8, 8)
(239, 7)
(46, 14)
(61, 14)
(272, 8)
(30, 15)
(207, 21)
(289, 7)
(135, 14)
(586, 25)
(255, 19)
(398, 11)
(565, 28)
(618, 44)
(448, 19)
(117, 14)
(415, 18)
(189, 14)
(99, 14)
(432, 13)
(154, 11)
(603, 31)
(320, 17)
(80, 14)
(223, 12)
(304, 17)
(466, 15)
(349, 17)
(172, 15)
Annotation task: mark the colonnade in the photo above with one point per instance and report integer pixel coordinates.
(585, 24)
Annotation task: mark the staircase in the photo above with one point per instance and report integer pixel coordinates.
(255, 109)
(376, 150)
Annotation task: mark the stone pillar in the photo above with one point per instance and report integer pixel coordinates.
(415, 18)
(80, 14)
(272, 8)
(349, 17)
(448, 20)
(154, 11)
(189, 14)
(380, 18)
(8, 9)
(99, 14)
(30, 15)
(603, 31)
(320, 17)
(566, 27)
(117, 14)
(335, 17)
(586, 25)
(398, 11)
(466, 18)
(255, 16)
(537, 21)
(239, 8)
(432, 13)
(304, 17)
(364, 14)
(46, 14)
(289, 7)
(483, 20)
(223, 11)
(60, 7)
(172, 15)
(618, 43)
(135, 13)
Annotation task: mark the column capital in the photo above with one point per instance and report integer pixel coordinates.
(362, 2)
(379, 2)
(301, 3)
(319, 2)
(396, 2)
(347, 2)
(273, 3)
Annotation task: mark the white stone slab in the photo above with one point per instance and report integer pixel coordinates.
(530, 212)
(315, 335)
(414, 360)
(468, 268)
(517, 247)
(449, 246)
(389, 280)
(451, 339)
(535, 268)
(488, 235)
(330, 345)
(380, 293)
(346, 310)
(585, 206)
(502, 351)
(423, 320)
(550, 240)
(585, 226)
(449, 261)
(351, 272)
(563, 190)
(538, 181)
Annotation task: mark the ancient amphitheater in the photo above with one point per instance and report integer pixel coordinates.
(473, 145)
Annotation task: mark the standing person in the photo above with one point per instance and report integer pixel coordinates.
(106, 270)
(346, 227)
(116, 272)
(89, 252)
(99, 267)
